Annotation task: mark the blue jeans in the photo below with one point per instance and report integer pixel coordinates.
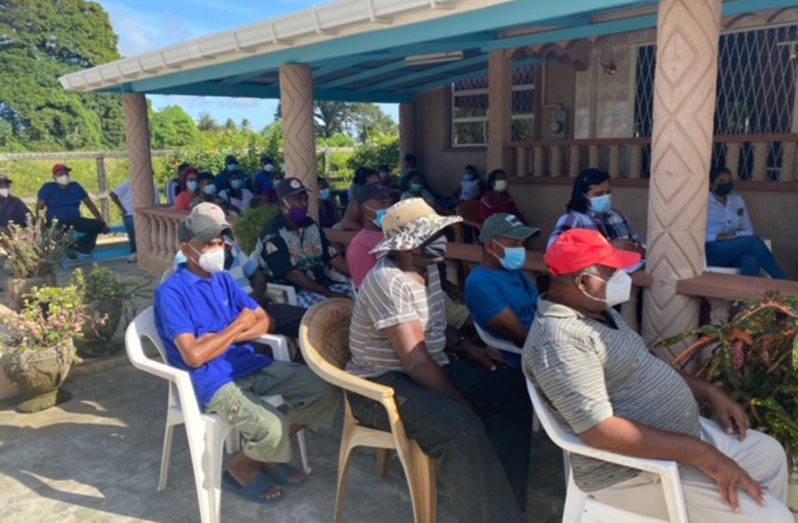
(131, 231)
(747, 253)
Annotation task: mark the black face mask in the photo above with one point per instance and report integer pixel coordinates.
(723, 189)
(435, 248)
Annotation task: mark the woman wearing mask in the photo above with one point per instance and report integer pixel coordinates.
(497, 199)
(470, 187)
(207, 189)
(731, 241)
(328, 214)
(189, 189)
(416, 189)
(590, 207)
(237, 198)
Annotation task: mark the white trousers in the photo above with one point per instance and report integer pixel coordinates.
(758, 454)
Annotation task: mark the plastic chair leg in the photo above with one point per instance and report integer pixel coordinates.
(303, 450)
(166, 456)
(535, 422)
(574, 502)
(344, 454)
(233, 442)
(383, 457)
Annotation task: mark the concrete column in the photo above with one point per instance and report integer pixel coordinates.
(137, 137)
(684, 106)
(500, 93)
(296, 98)
(407, 130)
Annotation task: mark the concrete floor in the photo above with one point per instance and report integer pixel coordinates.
(95, 458)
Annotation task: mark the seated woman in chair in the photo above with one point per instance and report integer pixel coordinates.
(731, 241)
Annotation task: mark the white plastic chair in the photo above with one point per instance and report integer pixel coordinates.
(731, 270)
(507, 346)
(206, 433)
(580, 506)
(279, 291)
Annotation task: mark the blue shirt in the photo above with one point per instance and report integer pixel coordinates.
(187, 303)
(63, 204)
(732, 217)
(490, 291)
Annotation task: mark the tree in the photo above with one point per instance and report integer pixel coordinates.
(41, 40)
(245, 124)
(172, 127)
(359, 120)
(369, 120)
(230, 125)
(206, 123)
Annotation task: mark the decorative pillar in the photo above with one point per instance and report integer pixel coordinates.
(407, 130)
(500, 94)
(296, 99)
(137, 137)
(684, 106)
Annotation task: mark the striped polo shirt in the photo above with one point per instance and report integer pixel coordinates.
(588, 371)
(390, 297)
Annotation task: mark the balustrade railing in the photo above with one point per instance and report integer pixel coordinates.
(756, 158)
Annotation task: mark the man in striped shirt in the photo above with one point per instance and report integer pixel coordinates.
(471, 414)
(605, 386)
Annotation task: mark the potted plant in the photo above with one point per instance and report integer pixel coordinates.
(754, 358)
(32, 253)
(36, 344)
(107, 298)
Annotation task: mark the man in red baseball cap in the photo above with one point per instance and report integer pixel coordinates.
(62, 198)
(613, 393)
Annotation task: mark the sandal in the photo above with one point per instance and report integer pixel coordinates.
(254, 491)
(282, 475)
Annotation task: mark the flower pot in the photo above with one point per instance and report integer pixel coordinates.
(94, 340)
(39, 373)
(18, 288)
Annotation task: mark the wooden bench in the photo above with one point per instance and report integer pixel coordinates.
(731, 286)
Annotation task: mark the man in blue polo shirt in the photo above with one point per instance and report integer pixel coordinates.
(62, 198)
(207, 323)
(502, 298)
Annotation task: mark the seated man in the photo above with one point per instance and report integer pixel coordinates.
(470, 415)
(62, 198)
(606, 387)
(12, 209)
(294, 249)
(206, 323)
(246, 272)
(501, 297)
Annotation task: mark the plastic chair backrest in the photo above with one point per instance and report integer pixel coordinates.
(470, 211)
(493, 341)
(324, 342)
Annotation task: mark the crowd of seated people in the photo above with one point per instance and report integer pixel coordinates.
(460, 400)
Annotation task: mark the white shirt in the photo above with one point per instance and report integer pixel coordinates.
(125, 194)
(732, 217)
(242, 203)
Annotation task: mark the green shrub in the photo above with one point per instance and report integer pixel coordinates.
(249, 226)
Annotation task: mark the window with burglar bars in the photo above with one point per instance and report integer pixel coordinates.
(470, 109)
(755, 91)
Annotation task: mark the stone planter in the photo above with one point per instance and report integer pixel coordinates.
(792, 488)
(39, 374)
(18, 288)
(94, 340)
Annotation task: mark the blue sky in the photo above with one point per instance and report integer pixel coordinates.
(144, 25)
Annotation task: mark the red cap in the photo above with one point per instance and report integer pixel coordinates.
(60, 167)
(577, 249)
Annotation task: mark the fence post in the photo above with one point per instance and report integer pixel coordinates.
(102, 181)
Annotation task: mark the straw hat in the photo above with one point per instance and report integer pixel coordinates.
(410, 223)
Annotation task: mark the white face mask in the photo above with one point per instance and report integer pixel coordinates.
(211, 261)
(618, 290)
(500, 185)
(268, 167)
(4, 192)
(62, 179)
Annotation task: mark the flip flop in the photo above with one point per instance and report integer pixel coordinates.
(282, 475)
(254, 491)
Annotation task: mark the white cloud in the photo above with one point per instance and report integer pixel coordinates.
(140, 32)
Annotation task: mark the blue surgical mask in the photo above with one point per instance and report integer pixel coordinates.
(514, 258)
(192, 185)
(236, 184)
(210, 190)
(324, 195)
(601, 204)
(380, 215)
(180, 259)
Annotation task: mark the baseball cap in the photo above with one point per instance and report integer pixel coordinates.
(290, 187)
(212, 210)
(577, 249)
(508, 226)
(60, 167)
(201, 226)
(373, 191)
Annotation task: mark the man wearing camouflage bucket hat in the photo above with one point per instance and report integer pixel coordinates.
(470, 413)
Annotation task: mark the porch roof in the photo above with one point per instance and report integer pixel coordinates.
(375, 50)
